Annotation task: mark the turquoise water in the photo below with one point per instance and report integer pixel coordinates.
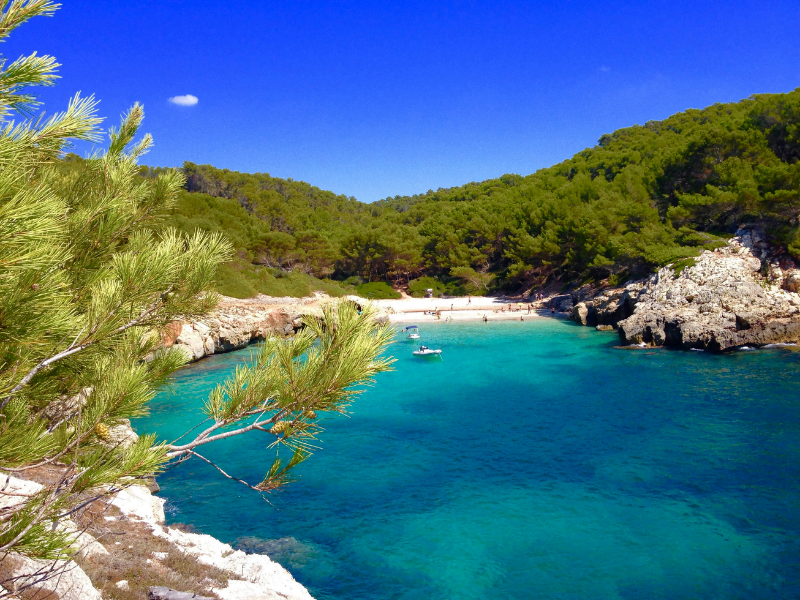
(535, 461)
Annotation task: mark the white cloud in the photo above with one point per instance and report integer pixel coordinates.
(187, 100)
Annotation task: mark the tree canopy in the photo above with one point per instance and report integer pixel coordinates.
(643, 197)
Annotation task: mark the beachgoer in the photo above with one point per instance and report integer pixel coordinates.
(469, 299)
(553, 310)
(485, 319)
(521, 318)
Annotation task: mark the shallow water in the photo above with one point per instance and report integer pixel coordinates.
(535, 461)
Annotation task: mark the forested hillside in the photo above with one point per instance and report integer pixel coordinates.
(645, 196)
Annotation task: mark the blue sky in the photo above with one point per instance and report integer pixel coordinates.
(374, 99)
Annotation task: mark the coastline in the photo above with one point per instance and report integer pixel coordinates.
(744, 293)
(422, 310)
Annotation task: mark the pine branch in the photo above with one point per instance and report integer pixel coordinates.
(80, 347)
(224, 474)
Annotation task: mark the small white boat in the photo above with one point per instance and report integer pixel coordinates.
(413, 332)
(425, 351)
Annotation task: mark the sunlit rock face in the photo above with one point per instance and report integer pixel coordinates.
(744, 293)
(236, 323)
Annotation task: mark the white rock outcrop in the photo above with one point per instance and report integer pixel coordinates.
(256, 575)
(744, 293)
(138, 503)
(60, 579)
(253, 576)
(236, 323)
(65, 579)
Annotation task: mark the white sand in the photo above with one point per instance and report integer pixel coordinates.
(412, 310)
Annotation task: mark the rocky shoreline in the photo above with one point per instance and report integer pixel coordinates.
(236, 323)
(125, 533)
(743, 294)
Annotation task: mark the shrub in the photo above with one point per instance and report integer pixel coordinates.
(377, 290)
(240, 279)
(679, 266)
(418, 287)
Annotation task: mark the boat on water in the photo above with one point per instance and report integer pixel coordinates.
(425, 351)
(412, 332)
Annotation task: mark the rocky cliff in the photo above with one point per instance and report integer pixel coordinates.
(123, 538)
(745, 293)
(236, 323)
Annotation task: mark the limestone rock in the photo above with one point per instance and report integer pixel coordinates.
(259, 577)
(791, 281)
(744, 293)
(85, 543)
(721, 302)
(236, 323)
(165, 593)
(14, 492)
(192, 341)
(66, 405)
(246, 590)
(121, 435)
(580, 313)
(137, 502)
(562, 303)
(57, 579)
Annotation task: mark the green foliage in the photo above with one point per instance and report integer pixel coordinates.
(289, 381)
(377, 290)
(618, 279)
(474, 282)
(646, 196)
(240, 279)
(679, 266)
(92, 273)
(419, 287)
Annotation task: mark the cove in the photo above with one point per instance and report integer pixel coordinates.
(536, 460)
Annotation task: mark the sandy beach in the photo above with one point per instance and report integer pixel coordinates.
(423, 310)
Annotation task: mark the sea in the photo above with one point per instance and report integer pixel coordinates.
(534, 460)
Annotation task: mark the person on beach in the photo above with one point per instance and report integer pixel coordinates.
(521, 318)
(451, 307)
(469, 299)
(485, 319)
(553, 310)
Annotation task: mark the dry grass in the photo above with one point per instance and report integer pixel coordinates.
(131, 545)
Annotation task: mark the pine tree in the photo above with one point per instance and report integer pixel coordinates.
(89, 280)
